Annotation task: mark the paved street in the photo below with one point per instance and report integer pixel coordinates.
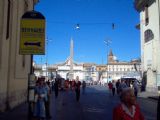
(95, 104)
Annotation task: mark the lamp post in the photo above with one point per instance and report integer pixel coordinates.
(107, 42)
(47, 40)
(158, 81)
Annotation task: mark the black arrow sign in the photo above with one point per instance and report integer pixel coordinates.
(32, 44)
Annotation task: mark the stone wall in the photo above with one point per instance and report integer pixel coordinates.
(2, 102)
(15, 98)
(13, 74)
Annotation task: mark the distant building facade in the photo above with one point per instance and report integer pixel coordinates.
(64, 70)
(14, 68)
(90, 72)
(103, 73)
(84, 71)
(115, 69)
(150, 41)
(119, 69)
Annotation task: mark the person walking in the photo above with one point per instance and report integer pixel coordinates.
(40, 95)
(128, 109)
(73, 84)
(83, 87)
(77, 88)
(110, 86)
(117, 86)
(66, 84)
(47, 99)
(113, 87)
(135, 86)
(122, 86)
(56, 83)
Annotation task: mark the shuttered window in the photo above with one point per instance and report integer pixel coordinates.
(148, 35)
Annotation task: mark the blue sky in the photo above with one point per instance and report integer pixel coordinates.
(95, 18)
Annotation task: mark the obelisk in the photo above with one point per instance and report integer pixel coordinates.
(71, 60)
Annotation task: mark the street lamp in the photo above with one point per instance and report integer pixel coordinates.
(77, 27)
(107, 42)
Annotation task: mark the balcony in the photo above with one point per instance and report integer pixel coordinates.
(140, 4)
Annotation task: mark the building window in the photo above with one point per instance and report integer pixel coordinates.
(146, 15)
(8, 19)
(148, 35)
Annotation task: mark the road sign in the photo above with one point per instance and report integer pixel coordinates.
(32, 33)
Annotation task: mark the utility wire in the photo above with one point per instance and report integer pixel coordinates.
(84, 23)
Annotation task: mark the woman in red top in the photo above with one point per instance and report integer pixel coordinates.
(128, 109)
(110, 85)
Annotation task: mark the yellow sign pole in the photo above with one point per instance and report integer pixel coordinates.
(32, 42)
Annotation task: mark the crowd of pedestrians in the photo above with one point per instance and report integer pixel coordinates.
(42, 96)
(128, 109)
(119, 85)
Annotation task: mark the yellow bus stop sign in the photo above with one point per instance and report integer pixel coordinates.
(32, 34)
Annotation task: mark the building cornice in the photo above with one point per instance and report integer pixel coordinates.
(120, 63)
(140, 4)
